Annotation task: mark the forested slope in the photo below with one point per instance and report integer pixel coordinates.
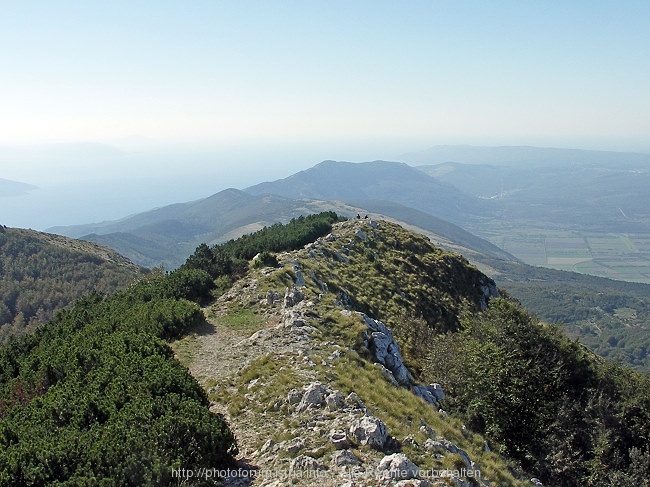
(41, 273)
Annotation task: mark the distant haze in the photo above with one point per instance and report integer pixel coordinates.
(68, 184)
(115, 107)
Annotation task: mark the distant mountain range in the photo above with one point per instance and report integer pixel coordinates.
(465, 199)
(574, 190)
(167, 236)
(378, 180)
(523, 156)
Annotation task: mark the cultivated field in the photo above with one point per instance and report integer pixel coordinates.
(617, 256)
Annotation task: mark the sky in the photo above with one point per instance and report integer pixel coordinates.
(245, 91)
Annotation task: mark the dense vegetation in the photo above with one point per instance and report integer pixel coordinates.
(566, 415)
(95, 397)
(611, 317)
(42, 273)
(230, 260)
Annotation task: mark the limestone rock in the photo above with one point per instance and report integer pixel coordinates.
(295, 445)
(369, 431)
(334, 401)
(294, 396)
(434, 446)
(398, 466)
(386, 350)
(344, 458)
(268, 446)
(313, 395)
(303, 462)
(292, 297)
(300, 279)
(427, 431)
(339, 439)
(424, 393)
(272, 297)
(488, 289)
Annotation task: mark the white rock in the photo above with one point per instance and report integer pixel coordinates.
(294, 396)
(334, 401)
(340, 439)
(303, 462)
(369, 431)
(344, 458)
(294, 445)
(427, 431)
(398, 466)
(314, 395)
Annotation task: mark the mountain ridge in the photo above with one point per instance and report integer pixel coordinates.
(377, 180)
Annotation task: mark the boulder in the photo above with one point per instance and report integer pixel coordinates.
(424, 393)
(344, 458)
(294, 396)
(436, 390)
(334, 401)
(488, 289)
(313, 396)
(300, 279)
(386, 350)
(292, 297)
(339, 439)
(369, 431)
(434, 446)
(397, 466)
(294, 445)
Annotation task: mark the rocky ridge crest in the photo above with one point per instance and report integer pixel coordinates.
(315, 389)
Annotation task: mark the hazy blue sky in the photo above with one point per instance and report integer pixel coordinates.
(501, 71)
(273, 86)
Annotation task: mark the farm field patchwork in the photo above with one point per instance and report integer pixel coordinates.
(616, 256)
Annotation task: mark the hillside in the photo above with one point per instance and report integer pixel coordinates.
(610, 323)
(367, 356)
(378, 180)
(317, 360)
(41, 273)
(167, 236)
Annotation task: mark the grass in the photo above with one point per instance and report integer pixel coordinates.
(184, 349)
(276, 378)
(241, 319)
(403, 414)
